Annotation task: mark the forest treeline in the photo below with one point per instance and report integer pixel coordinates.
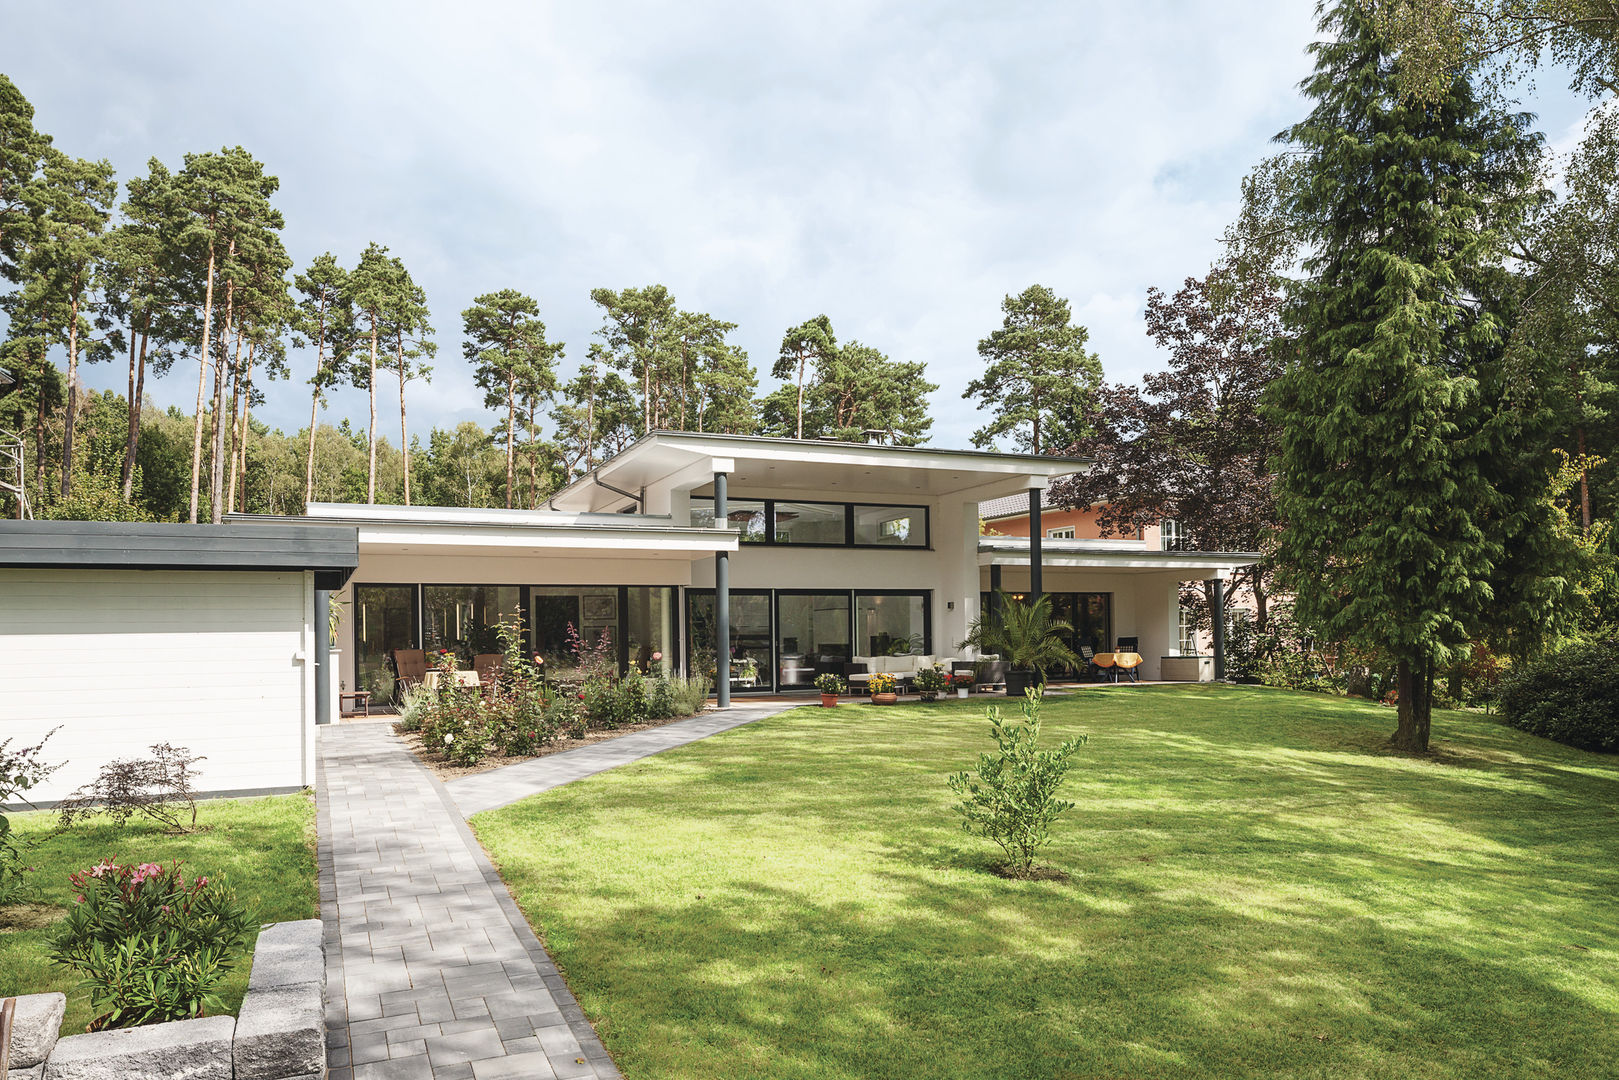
(182, 274)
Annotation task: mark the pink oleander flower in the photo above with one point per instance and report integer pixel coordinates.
(80, 898)
(657, 656)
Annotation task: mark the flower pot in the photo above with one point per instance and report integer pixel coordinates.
(1018, 681)
(828, 701)
(884, 699)
(961, 692)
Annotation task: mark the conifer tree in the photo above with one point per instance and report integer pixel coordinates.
(504, 340)
(371, 290)
(804, 348)
(324, 318)
(1037, 372)
(1409, 456)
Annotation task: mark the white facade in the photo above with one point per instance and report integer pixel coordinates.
(220, 662)
(631, 522)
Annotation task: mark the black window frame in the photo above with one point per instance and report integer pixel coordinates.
(769, 538)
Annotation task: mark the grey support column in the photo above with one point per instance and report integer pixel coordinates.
(1215, 590)
(1035, 584)
(722, 602)
(323, 658)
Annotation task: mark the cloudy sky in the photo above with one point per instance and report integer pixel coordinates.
(898, 167)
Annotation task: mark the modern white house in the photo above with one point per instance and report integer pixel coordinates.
(805, 555)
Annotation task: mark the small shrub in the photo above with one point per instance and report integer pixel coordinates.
(150, 945)
(613, 703)
(158, 787)
(690, 694)
(20, 770)
(930, 681)
(414, 703)
(1014, 799)
(566, 716)
(1570, 696)
(659, 693)
(830, 684)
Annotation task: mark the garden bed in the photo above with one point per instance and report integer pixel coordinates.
(265, 846)
(445, 769)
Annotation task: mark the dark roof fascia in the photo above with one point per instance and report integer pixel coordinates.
(332, 551)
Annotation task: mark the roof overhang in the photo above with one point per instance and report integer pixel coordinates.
(331, 551)
(438, 530)
(688, 461)
(1117, 555)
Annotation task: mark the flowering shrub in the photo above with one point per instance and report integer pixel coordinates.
(150, 945)
(929, 681)
(830, 684)
(881, 683)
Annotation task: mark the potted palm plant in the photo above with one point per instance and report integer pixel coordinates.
(1028, 635)
(830, 687)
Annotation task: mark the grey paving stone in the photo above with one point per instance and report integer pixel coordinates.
(423, 943)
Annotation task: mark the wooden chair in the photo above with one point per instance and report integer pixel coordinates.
(488, 667)
(410, 668)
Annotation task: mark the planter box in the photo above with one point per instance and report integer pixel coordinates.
(1187, 669)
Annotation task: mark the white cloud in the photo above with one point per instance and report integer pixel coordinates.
(898, 168)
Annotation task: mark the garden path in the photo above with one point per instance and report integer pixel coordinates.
(499, 787)
(432, 971)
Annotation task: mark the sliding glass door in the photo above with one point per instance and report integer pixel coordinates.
(812, 637)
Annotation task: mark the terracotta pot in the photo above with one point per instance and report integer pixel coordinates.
(828, 701)
(884, 699)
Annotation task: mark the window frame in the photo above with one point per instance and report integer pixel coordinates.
(769, 537)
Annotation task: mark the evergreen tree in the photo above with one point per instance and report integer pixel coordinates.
(636, 335)
(804, 348)
(22, 154)
(1037, 373)
(1409, 451)
(411, 338)
(372, 285)
(324, 318)
(504, 340)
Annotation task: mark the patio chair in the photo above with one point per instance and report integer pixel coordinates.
(410, 668)
(488, 667)
(1092, 670)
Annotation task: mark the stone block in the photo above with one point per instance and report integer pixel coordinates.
(281, 1033)
(35, 1072)
(35, 1027)
(288, 954)
(181, 1050)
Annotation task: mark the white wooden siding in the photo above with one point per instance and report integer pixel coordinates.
(121, 659)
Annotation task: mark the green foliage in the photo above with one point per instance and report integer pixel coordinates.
(150, 945)
(21, 769)
(929, 681)
(1013, 802)
(614, 702)
(1026, 634)
(515, 366)
(1037, 374)
(1570, 696)
(1413, 464)
(829, 683)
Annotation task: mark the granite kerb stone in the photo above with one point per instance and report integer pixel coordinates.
(35, 1027)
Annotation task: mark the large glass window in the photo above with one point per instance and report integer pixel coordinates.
(1090, 614)
(891, 624)
(567, 616)
(812, 637)
(810, 523)
(384, 620)
(750, 637)
(463, 618)
(890, 526)
(649, 628)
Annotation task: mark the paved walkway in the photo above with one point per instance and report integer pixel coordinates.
(432, 972)
(499, 787)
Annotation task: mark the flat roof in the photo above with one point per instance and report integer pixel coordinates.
(823, 467)
(332, 551)
(1106, 555)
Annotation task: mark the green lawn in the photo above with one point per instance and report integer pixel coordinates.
(266, 846)
(1257, 889)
